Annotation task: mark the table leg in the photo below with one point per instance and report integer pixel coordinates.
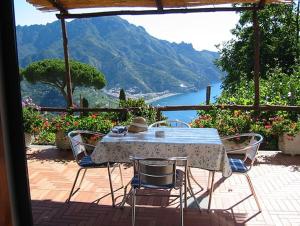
(111, 186)
(211, 189)
(209, 180)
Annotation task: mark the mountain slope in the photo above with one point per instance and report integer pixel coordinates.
(128, 56)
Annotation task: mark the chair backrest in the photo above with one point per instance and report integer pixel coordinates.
(249, 145)
(255, 141)
(170, 123)
(76, 143)
(157, 172)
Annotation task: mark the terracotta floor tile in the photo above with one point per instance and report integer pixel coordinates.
(276, 178)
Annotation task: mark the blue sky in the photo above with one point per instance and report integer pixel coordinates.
(203, 30)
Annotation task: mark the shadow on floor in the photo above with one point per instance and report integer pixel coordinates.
(277, 158)
(49, 153)
(47, 212)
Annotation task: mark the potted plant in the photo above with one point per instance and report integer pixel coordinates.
(32, 120)
(61, 125)
(288, 135)
(65, 123)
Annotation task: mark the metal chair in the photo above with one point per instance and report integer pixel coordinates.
(179, 124)
(248, 144)
(159, 174)
(84, 161)
(170, 123)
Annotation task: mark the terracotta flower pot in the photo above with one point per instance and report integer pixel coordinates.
(62, 140)
(289, 144)
(28, 139)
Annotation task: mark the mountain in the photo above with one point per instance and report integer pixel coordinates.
(129, 57)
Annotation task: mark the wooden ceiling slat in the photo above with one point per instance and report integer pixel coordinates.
(46, 5)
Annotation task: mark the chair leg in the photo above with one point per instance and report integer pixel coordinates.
(185, 187)
(192, 192)
(125, 196)
(82, 177)
(211, 189)
(253, 191)
(111, 187)
(133, 206)
(193, 178)
(121, 175)
(181, 209)
(74, 183)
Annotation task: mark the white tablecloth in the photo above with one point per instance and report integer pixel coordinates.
(202, 146)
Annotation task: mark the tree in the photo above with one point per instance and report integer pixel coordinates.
(52, 72)
(278, 45)
(122, 95)
(122, 99)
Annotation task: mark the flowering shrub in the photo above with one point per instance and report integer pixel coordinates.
(226, 122)
(63, 122)
(32, 119)
(44, 137)
(283, 125)
(144, 110)
(68, 122)
(95, 122)
(237, 122)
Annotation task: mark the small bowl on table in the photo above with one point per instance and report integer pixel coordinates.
(159, 133)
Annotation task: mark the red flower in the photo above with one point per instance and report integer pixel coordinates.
(76, 123)
(268, 126)
(93, 116)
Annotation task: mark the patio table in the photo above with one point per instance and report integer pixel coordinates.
(203, 147)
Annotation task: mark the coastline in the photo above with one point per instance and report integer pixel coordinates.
(148, 97)
(160, 96)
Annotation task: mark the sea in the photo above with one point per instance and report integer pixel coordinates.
(194, 98)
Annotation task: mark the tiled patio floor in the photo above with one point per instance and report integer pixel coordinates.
(276, 178)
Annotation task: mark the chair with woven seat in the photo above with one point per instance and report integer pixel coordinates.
(158, 174)
(177, 124)
(246, 144)
(84, 160)
(170, 123)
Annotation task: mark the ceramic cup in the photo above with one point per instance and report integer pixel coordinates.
(159, 133)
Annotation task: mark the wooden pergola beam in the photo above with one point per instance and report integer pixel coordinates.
(262, 3)
(256, 56)
(67, 63)
(58, 6)
(153, 12)
(159, 5)
(181, 108)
